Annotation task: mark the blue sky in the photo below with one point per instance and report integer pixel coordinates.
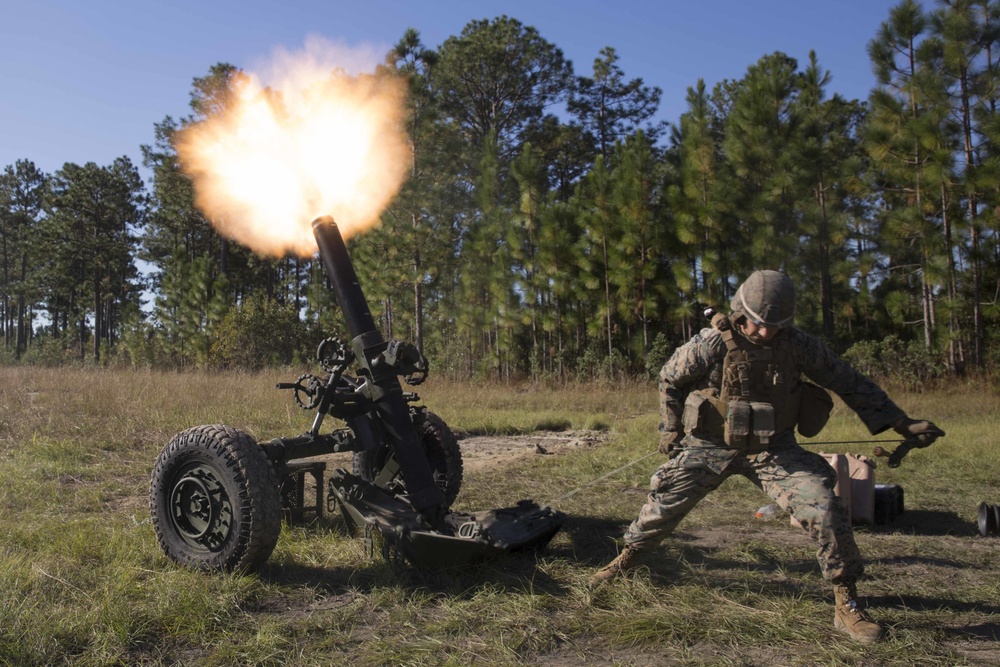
(85, 80)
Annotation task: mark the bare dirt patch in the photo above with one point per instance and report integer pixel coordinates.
(490, 451)
(480, 452)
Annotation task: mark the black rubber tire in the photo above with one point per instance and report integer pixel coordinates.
(443, 453)
(214, 500)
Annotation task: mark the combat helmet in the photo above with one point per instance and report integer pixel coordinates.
(766, 297)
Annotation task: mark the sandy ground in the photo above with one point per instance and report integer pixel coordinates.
(484, 451)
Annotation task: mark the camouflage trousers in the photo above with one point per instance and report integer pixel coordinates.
(797, 480)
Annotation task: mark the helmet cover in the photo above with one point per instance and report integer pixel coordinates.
(766, 298)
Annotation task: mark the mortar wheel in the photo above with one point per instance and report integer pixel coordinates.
(214, 500)
(440, 447)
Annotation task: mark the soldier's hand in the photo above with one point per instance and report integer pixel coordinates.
(918, 431)
(668, 442)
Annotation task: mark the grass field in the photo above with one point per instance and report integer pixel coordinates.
(83, 582)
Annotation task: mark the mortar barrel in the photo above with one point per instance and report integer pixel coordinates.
(389, 407)
(343, 279)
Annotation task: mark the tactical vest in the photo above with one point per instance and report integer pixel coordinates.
(760, 388)
(760, 394)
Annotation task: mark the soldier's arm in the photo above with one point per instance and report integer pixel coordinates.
(821, 365)
(689, 363)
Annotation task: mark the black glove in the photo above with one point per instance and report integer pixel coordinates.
(668, 442)
(920, 432)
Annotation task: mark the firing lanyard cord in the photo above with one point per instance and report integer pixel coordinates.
(602, 478)
(850, 442)
(651, 454)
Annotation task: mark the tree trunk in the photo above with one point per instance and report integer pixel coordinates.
(607, 304)
(21, 324)
(418, 296)
(98, 316)
(955, 361)
(826, 280)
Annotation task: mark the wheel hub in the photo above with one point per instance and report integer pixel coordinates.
(200, 509)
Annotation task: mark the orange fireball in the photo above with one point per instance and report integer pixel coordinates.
(316, 141)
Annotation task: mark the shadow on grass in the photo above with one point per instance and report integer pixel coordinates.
(984, 631)
(513, 572)
(930, 523)
(922, 560)
(592, 541)
(936, 604)
(596, 542)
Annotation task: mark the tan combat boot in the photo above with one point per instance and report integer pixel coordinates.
(851, 618)
(626, 560)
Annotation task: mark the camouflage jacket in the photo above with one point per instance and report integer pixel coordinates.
(698, 365)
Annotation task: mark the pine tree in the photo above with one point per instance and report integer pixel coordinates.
(417, 231)
(611, 108)
(193, 301)
(828, 155)
(22, 193)
(634, 259)
(568, 152)
(517, 74)
(96, 212)
(560, 272)
(760, 187)
(529, 173)
(485, 307)
(964, 32)
(912, 141)
(699, 231)
(180, 237)
(594, 202)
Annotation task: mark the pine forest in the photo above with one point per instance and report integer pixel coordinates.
(552, 229)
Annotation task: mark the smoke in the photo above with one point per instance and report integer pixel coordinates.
(304, 139)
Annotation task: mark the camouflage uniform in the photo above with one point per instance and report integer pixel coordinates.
(796, 479)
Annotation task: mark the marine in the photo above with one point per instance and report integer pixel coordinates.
(731, 401)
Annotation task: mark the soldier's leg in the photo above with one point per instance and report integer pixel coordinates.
(802, 482)
(676, 487)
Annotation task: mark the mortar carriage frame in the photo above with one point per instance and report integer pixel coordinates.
(217, 496)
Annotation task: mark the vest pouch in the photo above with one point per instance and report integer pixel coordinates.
(704, 413)
(815, 406)
(691, 418)
(763, 421)
(737, 424)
